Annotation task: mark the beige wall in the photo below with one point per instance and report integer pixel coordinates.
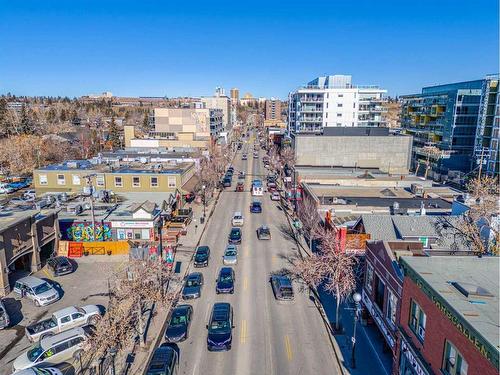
(183, 120)
(219, 102)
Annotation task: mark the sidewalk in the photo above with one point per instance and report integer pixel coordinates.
(182, 263)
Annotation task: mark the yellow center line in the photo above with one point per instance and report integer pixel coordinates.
(245, 283)
(288, 348)
(45, 272)
(243, 331)
(274, 259)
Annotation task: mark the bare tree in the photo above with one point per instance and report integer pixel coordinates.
(331, 267)
(311, 222)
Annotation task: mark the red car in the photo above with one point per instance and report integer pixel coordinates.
(240, 187)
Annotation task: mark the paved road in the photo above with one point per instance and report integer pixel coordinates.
(269, 338)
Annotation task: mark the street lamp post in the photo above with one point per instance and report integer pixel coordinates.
(357, 310)
(204, 200)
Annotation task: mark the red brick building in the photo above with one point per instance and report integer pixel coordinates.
(449, 321)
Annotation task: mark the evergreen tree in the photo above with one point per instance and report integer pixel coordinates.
(26, 122)
(114, 134)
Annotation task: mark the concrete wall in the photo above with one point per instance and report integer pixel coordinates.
(389, 154)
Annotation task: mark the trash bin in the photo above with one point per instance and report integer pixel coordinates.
(202, 220)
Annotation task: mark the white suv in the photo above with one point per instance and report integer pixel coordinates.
(237, 220)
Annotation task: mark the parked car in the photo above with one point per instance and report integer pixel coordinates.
(256, 207)
(275, 196)
(240, 187)
(237, 219)
(244, 157)
(59, 266)
(255, 155)
(180, 320)
(230, 255)
(282, 288)
(220, 327)
(271, 186)
(4, 316)
(29, 195)
(226, 182)
(235, 236)
(37, 290)
(192, 286)
(63, 320)
(165, 361)
(264, 233)
(40, 371)
(53, 350)
(201, 256)
(225, 281)
(6, 188)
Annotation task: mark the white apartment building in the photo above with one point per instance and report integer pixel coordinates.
(333, 101)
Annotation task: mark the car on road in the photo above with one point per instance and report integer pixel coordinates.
(240, 187)
(244, 157)
(220, 327)
(226, 182)
(165, 361)
(37, 290)
(275, 196)
(256, 207)
(40, 371)
(192, 286)
(4, 316)
(201, 256)
(230, 255)
(271, 186)
(180, 321)
(255, 155)
(264, 233)
(237, 219)
(53, 350)
(63, 320)
(282, 288)
(235, 236)
(225, 281)
(59, 266)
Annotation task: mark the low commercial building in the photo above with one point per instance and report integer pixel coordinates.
(357, 148)
(449, 316)
(26, 238)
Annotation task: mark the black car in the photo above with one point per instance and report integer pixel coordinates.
(165, 361)
(192, 286)
(180, 320)
(220, 327)
(59, 266)
(235, 236)
(225, 281)
(201, 256)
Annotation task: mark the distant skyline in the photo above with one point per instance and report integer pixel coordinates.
(155, 48)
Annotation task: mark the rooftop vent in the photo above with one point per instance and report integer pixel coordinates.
(471, 290)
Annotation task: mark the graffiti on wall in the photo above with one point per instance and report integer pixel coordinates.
(83, 232)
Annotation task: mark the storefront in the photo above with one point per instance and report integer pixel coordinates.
(410, 362)
(135, 230)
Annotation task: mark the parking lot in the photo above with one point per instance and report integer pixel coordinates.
(88, 284)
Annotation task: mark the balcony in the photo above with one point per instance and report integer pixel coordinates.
(311, 99)
(311, 119)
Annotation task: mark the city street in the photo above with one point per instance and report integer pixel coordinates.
(269, 337)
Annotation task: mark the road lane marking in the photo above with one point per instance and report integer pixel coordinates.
(243, 331)
(245, 283)
(288, 348)
(274, 259)
(45, 272)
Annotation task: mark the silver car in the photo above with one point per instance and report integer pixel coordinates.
(230, 255)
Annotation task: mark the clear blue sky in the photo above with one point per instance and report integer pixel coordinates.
(156, 48)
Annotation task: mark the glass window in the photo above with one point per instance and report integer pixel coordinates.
(369, 277)
(42, 179)
(75, 179)
(417, 320)
(100, 180)
(453, 362)
(61, 179)
(118, 181)
(392, 303)
(379, 293)
(172, 182)
(339, 114)
(137, 235)
(66, 319)
(75, 341)
(136, 181)
(77, 316)
(340, 105)
(154, 181)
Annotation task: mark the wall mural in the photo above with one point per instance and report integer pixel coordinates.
(82, 232)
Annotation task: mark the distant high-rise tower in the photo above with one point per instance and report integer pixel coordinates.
(273, 109)
(235, 94)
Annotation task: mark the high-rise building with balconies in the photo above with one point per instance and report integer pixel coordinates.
(330, 101)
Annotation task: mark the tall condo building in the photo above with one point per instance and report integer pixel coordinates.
(331, 101)
(235, 95)
(273, 109)
(222, 102)
(455, 127)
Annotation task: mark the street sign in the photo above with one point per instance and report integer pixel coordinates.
(353, 339)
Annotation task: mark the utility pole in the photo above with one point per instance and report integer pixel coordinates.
(89, 184)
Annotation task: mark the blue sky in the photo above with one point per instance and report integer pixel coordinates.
(157, 48)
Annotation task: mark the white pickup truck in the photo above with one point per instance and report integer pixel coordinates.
(62, 320)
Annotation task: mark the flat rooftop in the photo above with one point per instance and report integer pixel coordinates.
(9, 217)
(120, 167)
(477, 277)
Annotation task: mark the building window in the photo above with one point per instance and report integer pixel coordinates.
(75, 179)
(42, 179)
(417, 320)
(154, 181)
(339, 114)
(340, 105)
(453, 362)
(61, 179)
(369, 277)
(341, 95)
(99, 180)
(379, 293)
(392, 305)
(136, 181)
(118, 181)
(172, 182)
